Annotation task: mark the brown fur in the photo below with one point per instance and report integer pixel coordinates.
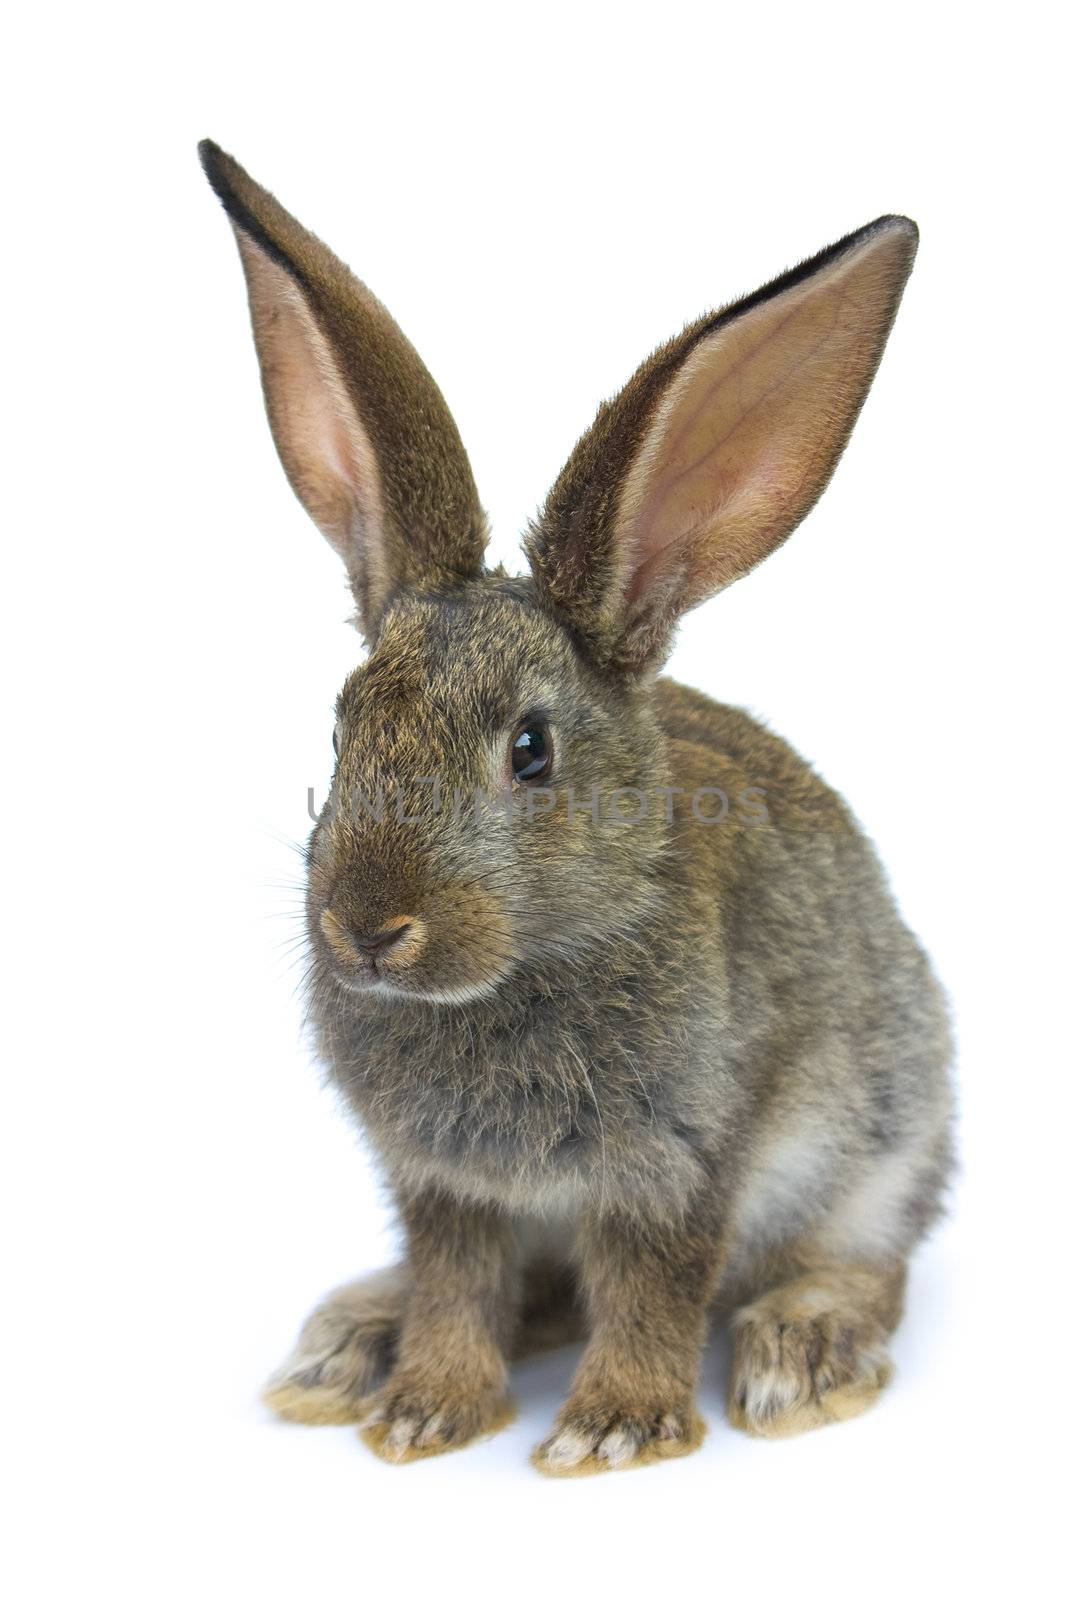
(623, 1067)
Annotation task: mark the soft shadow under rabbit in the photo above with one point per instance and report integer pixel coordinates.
(627, 1056)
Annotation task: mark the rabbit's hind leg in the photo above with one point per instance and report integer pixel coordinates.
(347, 1346)
(813, 1350)
(345, 1351)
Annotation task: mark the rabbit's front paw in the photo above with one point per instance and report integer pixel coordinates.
(415, 1416)
(600, 1437)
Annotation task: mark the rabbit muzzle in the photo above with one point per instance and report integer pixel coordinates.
(381, 935)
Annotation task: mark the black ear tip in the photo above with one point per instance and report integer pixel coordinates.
(220, 169)
(251, 210)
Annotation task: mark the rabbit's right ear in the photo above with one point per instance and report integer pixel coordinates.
(365, 437)
(717, 447)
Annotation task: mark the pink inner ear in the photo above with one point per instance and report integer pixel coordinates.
(320, 438)
(751, 426)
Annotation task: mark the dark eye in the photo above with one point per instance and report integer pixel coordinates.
(531, 752)
(336, 747)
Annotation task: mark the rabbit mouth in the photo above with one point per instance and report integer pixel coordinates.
(382, 985)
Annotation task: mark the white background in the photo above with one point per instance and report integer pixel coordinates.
(540, 194)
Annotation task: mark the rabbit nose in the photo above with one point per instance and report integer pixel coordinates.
(373, 944)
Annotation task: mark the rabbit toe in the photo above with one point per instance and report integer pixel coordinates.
(411, 1419)
(606, 1439)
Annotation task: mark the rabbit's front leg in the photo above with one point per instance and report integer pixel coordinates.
(633, 1401)
(449, 1382)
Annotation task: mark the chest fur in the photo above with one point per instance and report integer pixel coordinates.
(534, 1108)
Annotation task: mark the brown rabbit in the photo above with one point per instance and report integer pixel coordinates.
(612, 979)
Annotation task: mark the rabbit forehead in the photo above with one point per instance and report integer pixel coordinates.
(483, 654)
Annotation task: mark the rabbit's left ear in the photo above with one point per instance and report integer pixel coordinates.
(716, 449)
(365, 437)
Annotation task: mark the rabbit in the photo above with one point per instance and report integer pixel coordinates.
(613, 982)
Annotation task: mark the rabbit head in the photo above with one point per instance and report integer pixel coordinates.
(501, 798)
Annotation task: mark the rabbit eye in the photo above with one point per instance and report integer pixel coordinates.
(531, 752)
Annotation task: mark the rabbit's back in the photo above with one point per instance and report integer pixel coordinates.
(842, 1031)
